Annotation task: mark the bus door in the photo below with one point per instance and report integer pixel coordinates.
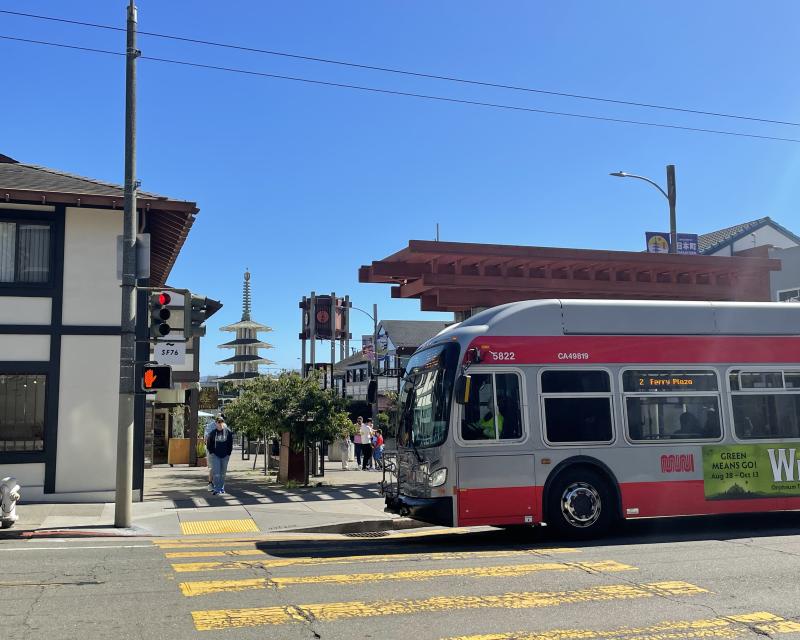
(495, 468)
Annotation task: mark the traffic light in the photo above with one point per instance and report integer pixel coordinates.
(195, 311)
(159, 314)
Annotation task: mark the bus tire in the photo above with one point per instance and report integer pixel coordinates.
(581, 504)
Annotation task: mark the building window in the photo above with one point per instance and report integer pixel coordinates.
(24, 253)
(766, 404)
(789, 295)
(577, 406)
(22, 400)
(671, 405)
(494, 408)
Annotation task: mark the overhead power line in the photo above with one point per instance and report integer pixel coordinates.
(417, 74)
(392, 92)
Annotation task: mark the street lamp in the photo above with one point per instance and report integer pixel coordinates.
(669, 194)
(374, 367)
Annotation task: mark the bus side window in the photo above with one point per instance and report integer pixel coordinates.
(509, 406)
(494, 408)
(577, 406)
(477, 422)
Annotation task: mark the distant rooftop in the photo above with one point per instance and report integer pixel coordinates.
(169, 220)
(715, 240)
(409, 334)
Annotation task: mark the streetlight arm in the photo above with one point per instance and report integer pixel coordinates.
(364, 312)
(622, 174)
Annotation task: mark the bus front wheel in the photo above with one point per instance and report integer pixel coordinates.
(580, 505)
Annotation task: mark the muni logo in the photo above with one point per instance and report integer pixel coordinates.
(677, 463)
(784, 464)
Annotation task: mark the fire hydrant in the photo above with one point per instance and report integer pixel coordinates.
(9, 496)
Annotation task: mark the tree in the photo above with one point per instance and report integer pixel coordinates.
(289, 403)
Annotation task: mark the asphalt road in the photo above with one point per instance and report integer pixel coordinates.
(734, 577)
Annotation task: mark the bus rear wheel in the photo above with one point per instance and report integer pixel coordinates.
(580, 505)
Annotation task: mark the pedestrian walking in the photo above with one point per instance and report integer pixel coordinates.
(357, 440)
(211, 425)
(219, 443)
(366, 445)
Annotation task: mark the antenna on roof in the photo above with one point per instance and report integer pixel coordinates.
(437, 232)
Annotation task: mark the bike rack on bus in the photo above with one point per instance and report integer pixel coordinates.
(390, 485)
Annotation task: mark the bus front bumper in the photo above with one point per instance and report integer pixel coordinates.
(432, 510)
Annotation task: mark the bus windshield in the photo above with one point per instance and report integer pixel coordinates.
(425, 396)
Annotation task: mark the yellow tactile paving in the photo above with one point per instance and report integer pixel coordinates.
(201, 588)
(231, 618)
(271, 563)
(723, 628)
(208, 527)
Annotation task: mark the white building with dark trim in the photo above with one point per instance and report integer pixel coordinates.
(761, 238)
(60, 326)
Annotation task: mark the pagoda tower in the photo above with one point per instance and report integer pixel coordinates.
(246, 358)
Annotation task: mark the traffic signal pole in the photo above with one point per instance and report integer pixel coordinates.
(127, 354)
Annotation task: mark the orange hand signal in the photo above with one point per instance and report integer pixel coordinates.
(149, 378)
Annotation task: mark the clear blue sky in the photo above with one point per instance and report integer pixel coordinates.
(302, 184)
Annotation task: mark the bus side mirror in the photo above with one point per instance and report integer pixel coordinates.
(463, 387)
(372, 391)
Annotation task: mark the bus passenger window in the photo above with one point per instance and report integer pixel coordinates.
(494, 409)
(766, 405)
(672, 404)
(577, 406)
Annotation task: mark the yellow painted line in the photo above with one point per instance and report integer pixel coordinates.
(199, 527)
(190, 567)
(726, 627)
(202, 588)
(231, 618)
(177, 543)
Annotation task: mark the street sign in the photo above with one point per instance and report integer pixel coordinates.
(659, 242)
(156, 377)
(171, 353)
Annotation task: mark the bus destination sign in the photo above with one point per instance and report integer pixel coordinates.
(654, 381)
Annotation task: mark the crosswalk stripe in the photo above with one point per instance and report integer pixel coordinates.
(231, 618)
(201, 588)
(190, 567)
(727, 627)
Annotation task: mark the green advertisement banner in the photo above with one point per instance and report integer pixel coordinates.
(744, 471)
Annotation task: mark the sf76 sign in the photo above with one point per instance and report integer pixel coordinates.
(154, 378)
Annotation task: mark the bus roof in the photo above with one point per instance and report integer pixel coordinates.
(632, 317)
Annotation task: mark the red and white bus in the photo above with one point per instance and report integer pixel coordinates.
(576, 413)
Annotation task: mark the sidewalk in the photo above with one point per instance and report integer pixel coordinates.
(176, 497)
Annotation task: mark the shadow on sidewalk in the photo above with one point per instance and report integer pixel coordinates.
(187, 487)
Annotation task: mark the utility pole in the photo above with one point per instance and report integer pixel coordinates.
(127, 352)
(671, 197)
(375, 369)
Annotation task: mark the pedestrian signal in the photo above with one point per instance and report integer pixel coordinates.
(154, 378)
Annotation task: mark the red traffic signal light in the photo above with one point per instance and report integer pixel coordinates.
(164, 298)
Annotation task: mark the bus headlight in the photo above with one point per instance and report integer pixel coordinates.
(438, 477)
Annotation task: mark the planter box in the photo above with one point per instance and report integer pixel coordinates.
(202, 462)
